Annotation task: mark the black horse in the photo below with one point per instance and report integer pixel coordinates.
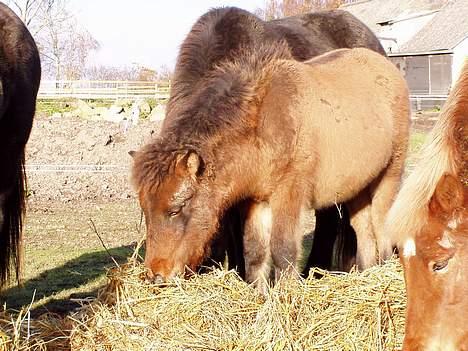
(219, 35)
(20, 74)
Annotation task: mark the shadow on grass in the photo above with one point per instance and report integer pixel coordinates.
(78, 278)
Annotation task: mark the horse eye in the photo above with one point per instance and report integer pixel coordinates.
(439, 266)
(175, 211)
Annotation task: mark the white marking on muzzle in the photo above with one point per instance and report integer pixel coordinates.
(445, 242)
(409, 248)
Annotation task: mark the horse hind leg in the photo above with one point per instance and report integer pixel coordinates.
(385, 188)
(384, 191)
(257, 234)
(361, 221)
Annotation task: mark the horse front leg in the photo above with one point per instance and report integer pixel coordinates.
(286, 235)
(257, 233)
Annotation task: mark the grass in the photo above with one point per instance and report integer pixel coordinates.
(47, 107)
(64, 256)
(416, 141)
(63, 274)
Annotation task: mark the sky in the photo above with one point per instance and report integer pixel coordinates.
(144, 32)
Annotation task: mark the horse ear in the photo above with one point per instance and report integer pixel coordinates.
(447, 196)
(191, 161)
(132, 153)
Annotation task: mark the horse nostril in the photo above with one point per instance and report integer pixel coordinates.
(158, 279)
(153, 278)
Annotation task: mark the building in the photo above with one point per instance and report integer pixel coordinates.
(426, 39)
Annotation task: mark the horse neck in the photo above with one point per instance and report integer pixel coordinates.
(236, 173)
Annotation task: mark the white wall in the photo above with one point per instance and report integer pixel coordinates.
(402, 30)
(460, 54)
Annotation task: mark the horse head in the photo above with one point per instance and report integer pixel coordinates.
(180, 220)
(436, 272)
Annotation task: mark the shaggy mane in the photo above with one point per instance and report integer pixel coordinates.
(216, 36)
(446, 150)
(225, 101)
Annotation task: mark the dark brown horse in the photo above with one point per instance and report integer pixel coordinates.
(284, 135)
(20, 73)
(218, 35)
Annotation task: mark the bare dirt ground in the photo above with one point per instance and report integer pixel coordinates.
(73, 144)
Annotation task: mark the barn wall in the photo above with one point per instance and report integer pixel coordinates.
(426, 74)
(460, 53)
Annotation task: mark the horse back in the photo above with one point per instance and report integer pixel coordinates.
(316, 33)
(341, 104)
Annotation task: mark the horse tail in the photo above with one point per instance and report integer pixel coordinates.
(344, 251)
(11, 238)
(233, 223)
(228, 243)
(334, 243)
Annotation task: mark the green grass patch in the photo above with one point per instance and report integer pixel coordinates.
(54, 275)
(49, 107)
(416, 140)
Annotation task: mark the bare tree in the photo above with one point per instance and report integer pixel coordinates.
(135, 72)
(63, 44)
(30, 10)
(165, 73)
(102, 72)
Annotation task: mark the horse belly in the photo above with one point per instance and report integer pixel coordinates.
(352, 144)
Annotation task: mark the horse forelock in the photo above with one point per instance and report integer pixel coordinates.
(154, 162)
(443, 152)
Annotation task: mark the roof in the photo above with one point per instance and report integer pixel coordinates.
(415, 25)
(445, 31)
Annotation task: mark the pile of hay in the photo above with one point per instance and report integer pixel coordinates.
(217, 311)
(20, 332)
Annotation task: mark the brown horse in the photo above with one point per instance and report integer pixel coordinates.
(429, 220)
(20, 73)
(283, 134)
(217, 36)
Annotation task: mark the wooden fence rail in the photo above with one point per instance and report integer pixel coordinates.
(92, 89)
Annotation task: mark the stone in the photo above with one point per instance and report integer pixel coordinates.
(116, 109)
(158, 113)
(145, 107)
(135, 113)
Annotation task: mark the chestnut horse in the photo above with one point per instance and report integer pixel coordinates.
(217, 36)
(20, 73)
(282, 133)
(429, 220)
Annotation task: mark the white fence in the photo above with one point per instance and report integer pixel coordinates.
(93, 89)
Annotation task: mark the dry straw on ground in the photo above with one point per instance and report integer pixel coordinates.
(217, 311)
